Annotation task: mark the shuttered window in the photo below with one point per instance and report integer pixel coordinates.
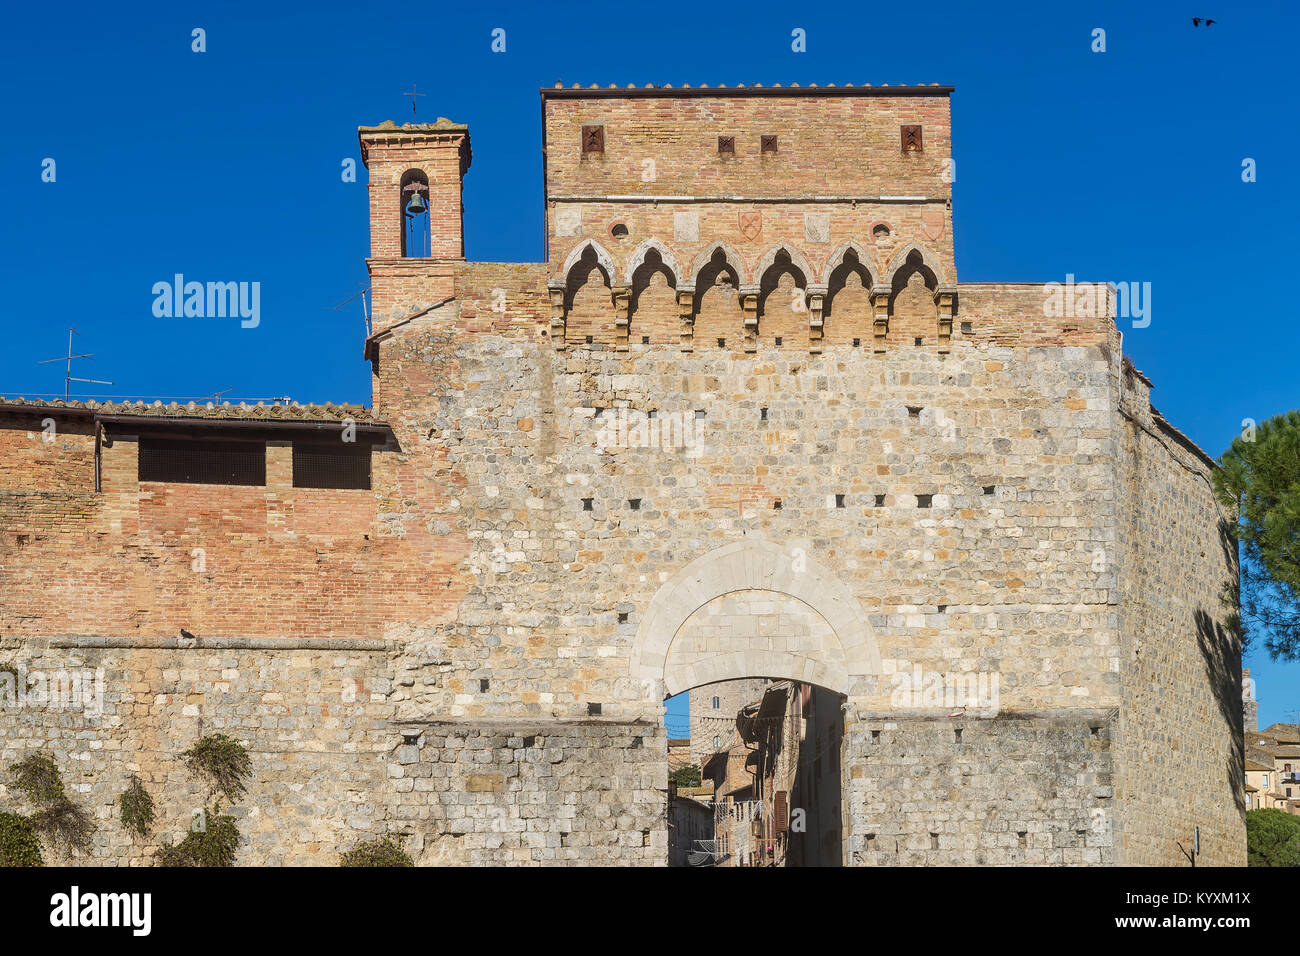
(337, 465)
(188, 461)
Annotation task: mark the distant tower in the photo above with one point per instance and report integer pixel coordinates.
(713, 710)
(1249, 702)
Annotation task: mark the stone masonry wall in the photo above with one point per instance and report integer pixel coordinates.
(1016, 790)
(330, 767)
(1181, 716)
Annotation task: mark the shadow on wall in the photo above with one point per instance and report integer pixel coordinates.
(1221, 649)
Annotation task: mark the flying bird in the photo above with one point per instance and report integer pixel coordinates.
(1197, 21)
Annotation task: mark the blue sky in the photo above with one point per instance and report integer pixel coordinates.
(225, 165)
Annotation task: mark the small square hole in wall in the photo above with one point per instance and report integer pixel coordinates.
(767, 144)
(722, 343)
(564, 838)
(645, 837)
(634, 504)
(593, 710)
(653, 413)
(880, 501)
(965, 326)
(1023, 837)
(923, 501)
(989, 489)
(699, 414)
(483, 685)
(586, 503)
(875, 735)
(916, 341)
(857, 342)
(589, 340)
(622, 617)
(599, 412)
(778, 340)
(776, 505)
(871, 841)
(726, 145)
(645, 340)
(839, 501)
(943, 609)
(934, 841)
(956, 735)
(762, 414)
(913, 411)
(1096, 730)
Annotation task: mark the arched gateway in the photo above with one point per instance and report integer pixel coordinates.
(703, 624)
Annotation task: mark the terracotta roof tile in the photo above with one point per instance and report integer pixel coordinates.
(261, 411)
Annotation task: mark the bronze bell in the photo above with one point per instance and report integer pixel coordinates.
(417, 205)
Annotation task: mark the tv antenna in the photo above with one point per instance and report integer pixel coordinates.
(413, 95)
(69, 378)
(365, 312)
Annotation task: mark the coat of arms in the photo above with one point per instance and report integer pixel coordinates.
(933, 221)
(751, 224)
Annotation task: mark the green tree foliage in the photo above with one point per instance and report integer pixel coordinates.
(213, 842)
(1261, 478)
(385, 852)
(223, 763)
(136, 808)
(1272, 838)
(686, 776)
(19, 845)
(38, 777)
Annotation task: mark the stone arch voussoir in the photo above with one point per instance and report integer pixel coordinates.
(754, 565)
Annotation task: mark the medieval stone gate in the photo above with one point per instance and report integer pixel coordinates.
(453, 616)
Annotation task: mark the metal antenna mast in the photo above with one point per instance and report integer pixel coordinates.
(69, 378)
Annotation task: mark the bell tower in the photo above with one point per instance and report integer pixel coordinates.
(416, 215)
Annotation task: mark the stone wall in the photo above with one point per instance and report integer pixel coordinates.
(330, 765)
(1015, 790)
(1181, 715)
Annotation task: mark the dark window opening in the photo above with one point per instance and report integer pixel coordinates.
(923, 501)
(767, 144)
(331, 466)
(726, 145)
(880, 501)
(190, 461)
(593, 139)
